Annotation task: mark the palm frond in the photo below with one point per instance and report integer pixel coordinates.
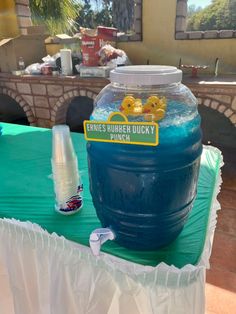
(57, 15)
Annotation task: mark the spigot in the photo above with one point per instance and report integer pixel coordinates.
(98, 237)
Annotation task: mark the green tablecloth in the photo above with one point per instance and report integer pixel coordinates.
(26, 193)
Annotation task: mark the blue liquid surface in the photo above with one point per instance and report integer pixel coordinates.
(143, 193)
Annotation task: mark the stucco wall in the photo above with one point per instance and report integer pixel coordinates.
(8, 19)
(15, 17)
(159, 45)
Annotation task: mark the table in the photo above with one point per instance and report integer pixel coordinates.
(53, 270)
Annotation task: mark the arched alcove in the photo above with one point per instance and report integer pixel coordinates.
(11, 111)
(73, 108)
(79, 109)
(220, 132)
(217, 128)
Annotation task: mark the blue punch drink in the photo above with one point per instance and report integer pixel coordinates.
(145, 193)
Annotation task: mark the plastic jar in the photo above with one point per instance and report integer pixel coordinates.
(145, 193)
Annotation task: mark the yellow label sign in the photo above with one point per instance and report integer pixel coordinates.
(119, 130)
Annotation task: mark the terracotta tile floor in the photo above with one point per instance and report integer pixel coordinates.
(221, 278)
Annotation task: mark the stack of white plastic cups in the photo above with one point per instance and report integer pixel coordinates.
(67, 183)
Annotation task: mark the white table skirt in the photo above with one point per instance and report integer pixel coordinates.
(47, 274)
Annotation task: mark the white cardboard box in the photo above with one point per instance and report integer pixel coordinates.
(100, 71)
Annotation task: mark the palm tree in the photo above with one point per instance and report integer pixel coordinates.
(58, 15)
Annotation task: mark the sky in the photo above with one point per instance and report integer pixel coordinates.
(199, 3)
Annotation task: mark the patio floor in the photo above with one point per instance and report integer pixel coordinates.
(221, 278)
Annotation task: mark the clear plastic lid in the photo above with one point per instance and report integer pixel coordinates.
(146, 75)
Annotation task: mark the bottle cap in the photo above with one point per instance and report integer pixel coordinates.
(146, 75)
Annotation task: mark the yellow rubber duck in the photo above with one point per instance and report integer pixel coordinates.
(138, 106)
(154, 108)
(155, 102)
(131, 106)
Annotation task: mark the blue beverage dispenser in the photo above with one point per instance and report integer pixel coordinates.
(144, 193)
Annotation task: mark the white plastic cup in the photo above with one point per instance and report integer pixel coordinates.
(62, 147)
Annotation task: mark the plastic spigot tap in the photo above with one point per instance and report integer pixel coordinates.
(98, 237)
